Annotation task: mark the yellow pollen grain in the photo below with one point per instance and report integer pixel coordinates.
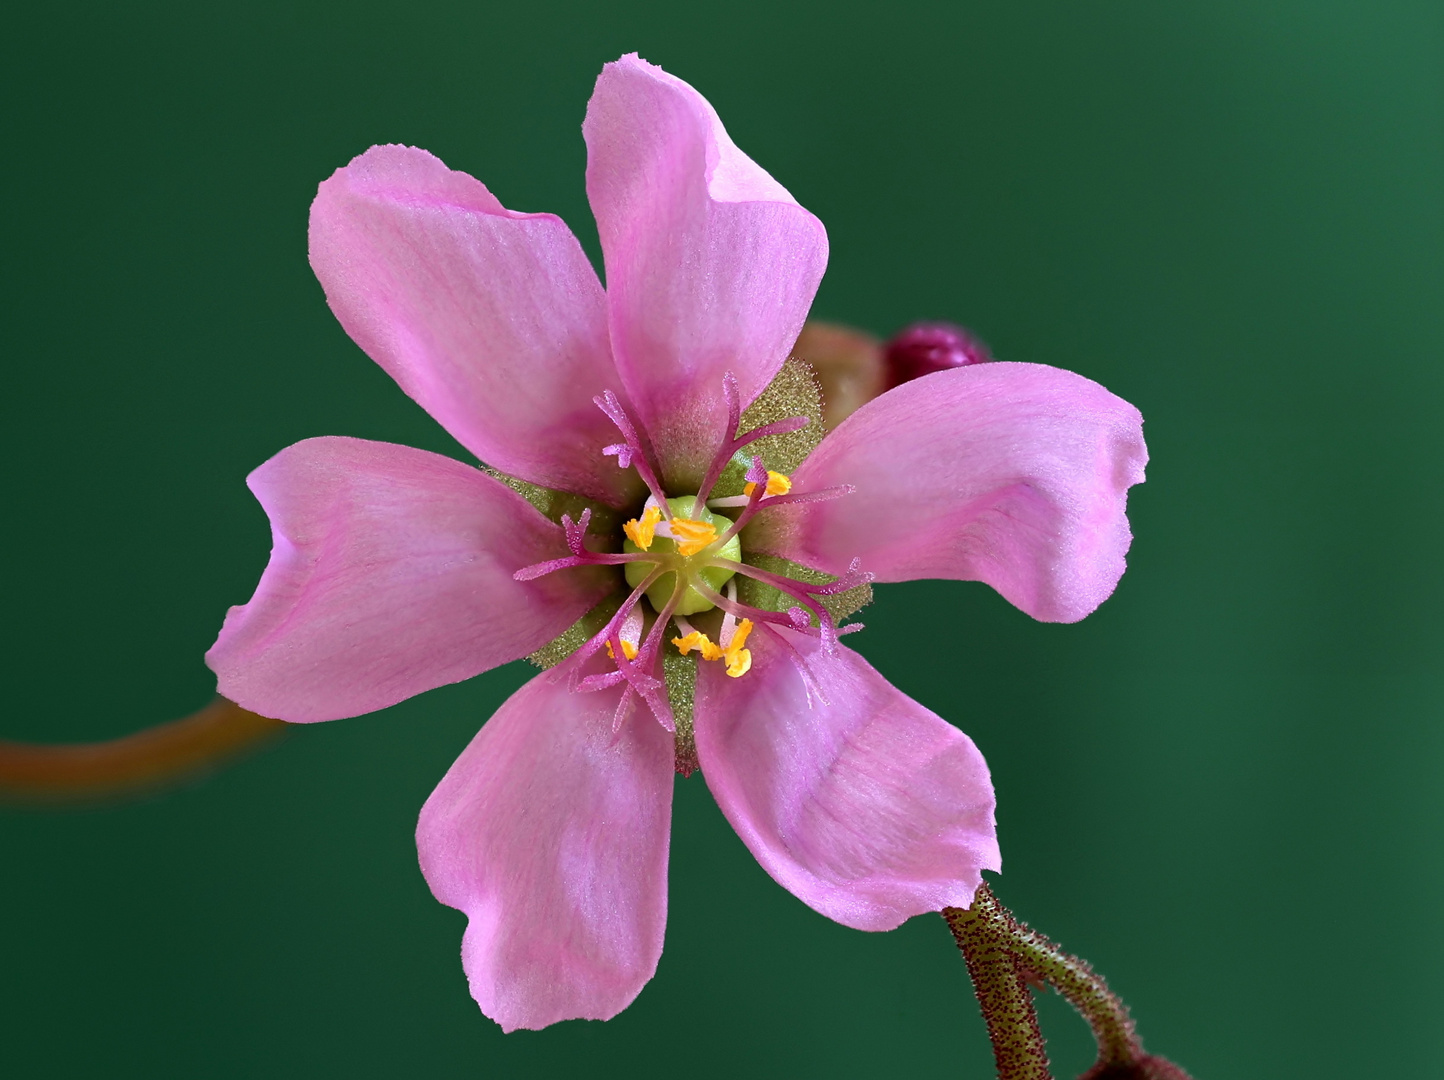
(640, 531)
(739, 660)
(691, 536)
(629, 650)
(777, 484)
(699, 641)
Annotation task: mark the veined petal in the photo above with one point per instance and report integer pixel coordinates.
(494, 321)
(711, 264)
(1012, 474)
(551, 833)
(865, 806)
(390, 573)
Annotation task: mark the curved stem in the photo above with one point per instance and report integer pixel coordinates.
(1003, 994)
(1004, 957)
(1084, 989)
(144, 761)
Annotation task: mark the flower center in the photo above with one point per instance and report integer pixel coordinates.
(682, 556)
(691, 538)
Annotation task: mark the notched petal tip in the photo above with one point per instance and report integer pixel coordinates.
(550, 832)
(1012, 474)
(862, 803)
(711, 264)
(493, 321)
(392, 572)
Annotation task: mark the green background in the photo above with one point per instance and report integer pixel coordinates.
(1222, 788)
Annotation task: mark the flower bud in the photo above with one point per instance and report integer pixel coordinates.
(1145, 1067)
(848, 364)
(926, 347)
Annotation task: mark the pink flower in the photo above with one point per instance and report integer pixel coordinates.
(395, 571)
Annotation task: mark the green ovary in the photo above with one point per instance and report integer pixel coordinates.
(685, 506)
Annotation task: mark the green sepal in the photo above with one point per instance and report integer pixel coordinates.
(553, 504)
(578, 634)
(759, 594)
(792, 392)
(680, 674)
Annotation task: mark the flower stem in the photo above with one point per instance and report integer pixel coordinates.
(981, 932)
(1084, 989)
(1004, 957)
(147, 760)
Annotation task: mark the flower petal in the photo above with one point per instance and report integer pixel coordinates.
(1012, 474)
(391, 573)
(493, 321)
(865, 806)
(711, 264)
(551, 833)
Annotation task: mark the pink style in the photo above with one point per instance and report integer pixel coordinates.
(395, 571)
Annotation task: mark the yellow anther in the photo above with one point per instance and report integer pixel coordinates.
(691, 536)
(777, 484)
(640, 531)
(699, 641)
(739, 660)
(629, 650)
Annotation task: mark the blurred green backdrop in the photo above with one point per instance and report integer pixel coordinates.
(1222, 788)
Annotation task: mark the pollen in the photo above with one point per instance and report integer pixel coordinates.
(629, 650)
(739, 660)
(777, 484)
(641, 530)
(691, 536)
(699, 641)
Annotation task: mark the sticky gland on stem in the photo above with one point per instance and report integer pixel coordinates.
(1002, 989)
(1005, 957)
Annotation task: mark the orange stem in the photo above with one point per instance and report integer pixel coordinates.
(144, 761)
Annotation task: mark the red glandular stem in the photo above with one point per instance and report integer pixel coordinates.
(1003, 956)
(1003, 995)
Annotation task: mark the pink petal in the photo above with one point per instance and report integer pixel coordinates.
(1012, 474)
(865, 806)
(391, 573)
(551, 834)
(711, 264)
(493, 321)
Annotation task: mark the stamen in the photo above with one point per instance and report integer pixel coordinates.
(641, 531)
(629, 650)
(734, 442)
(699, 641)
(630, 634)
(734, 636)
(614, 624)
(756, 475)
(739, 660)
(691, 536)
(777, 484)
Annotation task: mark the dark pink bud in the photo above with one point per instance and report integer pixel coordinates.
(926, 347)
(1146, 1067)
